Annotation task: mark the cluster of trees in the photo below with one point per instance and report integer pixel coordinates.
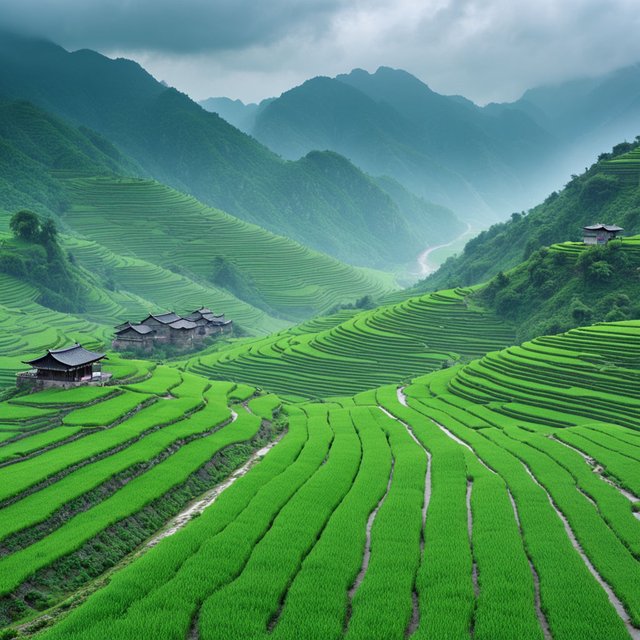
(553, 292)
(36, 257)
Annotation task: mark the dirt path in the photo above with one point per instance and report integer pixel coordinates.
(598, 469)
(366, 556)
(542, 619)
(424, 267)
(615, 601)
(415, 614)
(206, 500)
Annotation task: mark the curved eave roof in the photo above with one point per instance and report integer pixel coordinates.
(67, 358)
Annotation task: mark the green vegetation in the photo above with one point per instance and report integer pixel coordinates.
(600, 194)
(61, 502)
(370, 348)
(321, 200)
(209, 247)
(443, 148)
(484, 498)
(34, 255)
(496, 495)
(568, 285)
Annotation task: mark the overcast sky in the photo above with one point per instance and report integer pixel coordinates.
(486, 50)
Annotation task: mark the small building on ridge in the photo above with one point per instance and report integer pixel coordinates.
(600, 233)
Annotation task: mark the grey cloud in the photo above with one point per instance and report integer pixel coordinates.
(484, 49)
(176, 26)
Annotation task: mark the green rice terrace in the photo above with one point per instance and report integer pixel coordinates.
(494, 498)
(149, 221)
(366, 350)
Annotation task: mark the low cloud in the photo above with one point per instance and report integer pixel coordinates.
(487, 50)
(169, 26)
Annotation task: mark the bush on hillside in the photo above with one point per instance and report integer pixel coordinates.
(38, 259)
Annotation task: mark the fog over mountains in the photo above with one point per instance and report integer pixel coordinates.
(484, 162)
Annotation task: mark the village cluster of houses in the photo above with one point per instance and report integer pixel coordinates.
(170, 328)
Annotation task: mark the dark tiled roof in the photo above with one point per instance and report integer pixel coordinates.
(142, 329)
(68, 357)
(199, 313)
(164, 318)
(183, 324)
(212, 317)
(605, 227)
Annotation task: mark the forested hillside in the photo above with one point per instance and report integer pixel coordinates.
(38, 148)
(179, 143)
(606, 192)
(568, 285)
(131, 245)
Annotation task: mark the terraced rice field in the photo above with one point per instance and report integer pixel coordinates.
(90, 474)
(364, 351)
(626, 166)
(149, 221)
(27, 328)
(496, 499)
(143, 287)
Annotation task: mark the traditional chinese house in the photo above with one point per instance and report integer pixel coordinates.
(600, 233)
(138, 337)
(183, 332)
(170, 328)
(208, 322)
(70, 366)
(160, 324)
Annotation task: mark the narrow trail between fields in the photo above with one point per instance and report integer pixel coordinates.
(366, 556)
(542, 619)
(598, 469)
(424, 267)
(205, 501)
(615, 601)
(414, 621)
(461, 442)
(474, 570)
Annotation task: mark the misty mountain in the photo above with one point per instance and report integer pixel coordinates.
(235, 112)
(482, 161)
(588, 114)
(443, 148)
(177, 142)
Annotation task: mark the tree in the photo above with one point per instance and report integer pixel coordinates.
(48, 231)
(579, 310)
(600, 270)
(25, 225)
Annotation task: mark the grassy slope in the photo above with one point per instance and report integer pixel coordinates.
(150, 221)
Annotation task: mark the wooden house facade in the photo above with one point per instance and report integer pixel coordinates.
(67, 367)
(134, 337)
(170, 328)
